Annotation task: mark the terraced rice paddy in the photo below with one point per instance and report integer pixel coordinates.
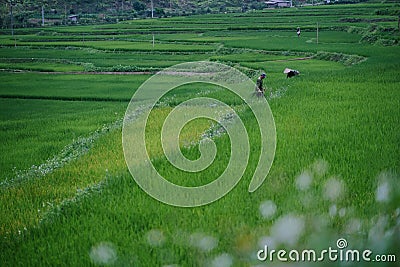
(67, 197)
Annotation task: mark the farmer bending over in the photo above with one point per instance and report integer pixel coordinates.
(259, 85)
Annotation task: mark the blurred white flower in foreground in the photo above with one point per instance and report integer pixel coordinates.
(333, 189)
(203, 242)
(378, 234)
(342, 212)
(223, 260)
(388, 186)
(267, 241)
(304, 180)
(353, 226)
(333, 210)
(320, 167)
(267, 209)
(288, 229)
(103, 253)
(155, 238)
(383, 191)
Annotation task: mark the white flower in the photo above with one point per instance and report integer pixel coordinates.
(155, 238)
(333, 210)
(103, 253)
(203, 242)
(267, 209)
(222, 260)
(304, 180)
(342, 212)
(383, 192)
(288, 229)
(333, 189)
(353, 226)
(267, 241)
(320, 167)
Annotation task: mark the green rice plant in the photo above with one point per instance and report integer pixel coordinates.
(70, 86)
(34, 130)
(121, 45)
(98, 58)
(39, 66)
(338, 57)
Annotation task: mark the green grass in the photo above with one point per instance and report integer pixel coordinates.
(336, 123)
(39, 66)
(120, 45)
(97, 58)
(70, 86)
(34, 130)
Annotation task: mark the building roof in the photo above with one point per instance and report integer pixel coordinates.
(277, 2)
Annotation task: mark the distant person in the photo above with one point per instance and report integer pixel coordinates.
(298, 31)
(292, 73)
(259, 85)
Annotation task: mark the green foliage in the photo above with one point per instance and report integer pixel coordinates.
(389, 11)
(339, 57)
(376, 34)
(119, 68)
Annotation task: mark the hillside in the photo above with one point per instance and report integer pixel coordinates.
(34, 13)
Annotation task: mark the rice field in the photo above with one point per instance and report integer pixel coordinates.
(68, 198)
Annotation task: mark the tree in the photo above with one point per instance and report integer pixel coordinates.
(46, 4)
(12, 4)
(41, 5)
(138, 6)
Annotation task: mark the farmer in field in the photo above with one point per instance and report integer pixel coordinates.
(259, 85)
(298, 31)
(291, 73)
